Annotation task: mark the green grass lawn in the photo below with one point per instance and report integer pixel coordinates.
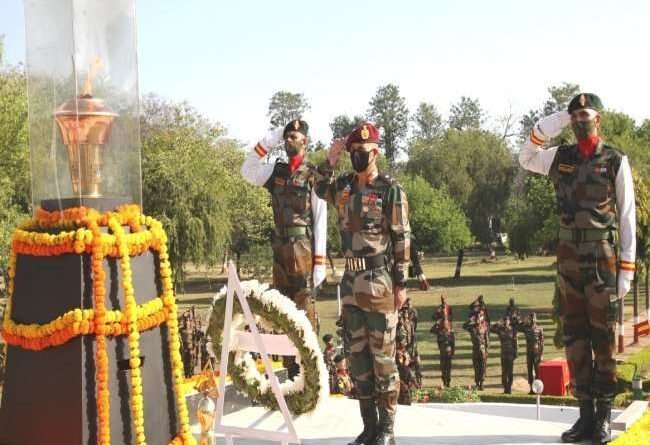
(530, 282)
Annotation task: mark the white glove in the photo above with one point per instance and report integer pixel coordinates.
(624, 284)
(551, 126)
(272, 138)
(319, 273)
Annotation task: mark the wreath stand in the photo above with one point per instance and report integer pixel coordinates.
(254, 342)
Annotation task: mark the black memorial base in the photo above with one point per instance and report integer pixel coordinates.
(49, 395)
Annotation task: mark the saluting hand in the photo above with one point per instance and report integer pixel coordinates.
(337, 146)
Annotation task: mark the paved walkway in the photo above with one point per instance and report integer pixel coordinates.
(338, 421)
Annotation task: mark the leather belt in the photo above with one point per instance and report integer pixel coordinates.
(357, 264)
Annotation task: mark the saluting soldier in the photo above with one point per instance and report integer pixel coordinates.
(446, 345)
(374, 225)
(595, 195)
(443, 309)
(476, 327)
(506, 333)
(534, 347)
(512, 312)
(300, 217)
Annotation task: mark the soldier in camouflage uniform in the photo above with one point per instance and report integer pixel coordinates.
(476, 327)
(374, 225)
(506, 333)
(405, 368)
(328, 357)
(300, 217)
(595, 195)
(446, 345)
(512, 313)
(534, 347)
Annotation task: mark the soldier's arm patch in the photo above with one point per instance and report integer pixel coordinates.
(566, 168)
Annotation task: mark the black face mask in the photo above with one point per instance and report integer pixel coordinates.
(360, 160)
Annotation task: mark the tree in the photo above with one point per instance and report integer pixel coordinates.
(343, 125)
(476, 167)
(428, 122)
(559, 99)
(389, 111)
(437, 223)
(187, 182)
(531, 218)
(285, 107)
(15, 196)
(467, 114)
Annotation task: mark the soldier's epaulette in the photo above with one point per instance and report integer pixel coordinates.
(386, 178)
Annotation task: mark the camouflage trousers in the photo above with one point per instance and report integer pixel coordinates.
(532, 363)
(588, 307)
(369, 342)
(292, 268)
(445, 368)
(479, 361)
(507, 364)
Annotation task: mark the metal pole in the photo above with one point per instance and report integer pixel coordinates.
(338, 298)
(539, 408)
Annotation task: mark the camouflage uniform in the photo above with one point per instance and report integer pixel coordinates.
(478, 333)
(443, 309)
(512, 313)
(328, 357)
(447, 346)
(405, 369)
(595, 196)
(373, 223)
(507, 337)
(534, 348)
(300, 218)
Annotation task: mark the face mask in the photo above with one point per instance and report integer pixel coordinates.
(584, 129)
(360, 160)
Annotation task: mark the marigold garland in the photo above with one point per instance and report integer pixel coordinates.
(78, 230)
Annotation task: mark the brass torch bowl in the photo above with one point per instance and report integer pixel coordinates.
(85, 124)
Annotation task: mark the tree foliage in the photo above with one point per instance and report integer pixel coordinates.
(285, 106)
(388, 111)
(467, 114)
(343, 125)
(428, 122)
(437, 222)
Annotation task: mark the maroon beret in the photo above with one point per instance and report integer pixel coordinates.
(365, 132)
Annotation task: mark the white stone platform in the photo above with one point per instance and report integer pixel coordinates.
(338, 421)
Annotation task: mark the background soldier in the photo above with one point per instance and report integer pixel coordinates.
(186, 330)
(512, 312)
(405, 367)
(446, 345)
(373, 222)
(534, 347)
(409, 316)
(595, 193)
(344, 383)
(300, 218)
(506, 333)
(478, 333)
(328, 357)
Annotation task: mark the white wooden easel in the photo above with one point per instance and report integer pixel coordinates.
(264, 344)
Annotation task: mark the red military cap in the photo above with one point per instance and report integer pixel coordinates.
(365, 132)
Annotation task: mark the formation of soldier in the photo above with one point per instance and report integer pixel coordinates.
(407, 356)
(442, 327)
(196, 346)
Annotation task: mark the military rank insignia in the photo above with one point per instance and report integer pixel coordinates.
(365, 133)
(566, 168)
(279, 181)
(600, 169)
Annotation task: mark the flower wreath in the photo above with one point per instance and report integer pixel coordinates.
(273, 311)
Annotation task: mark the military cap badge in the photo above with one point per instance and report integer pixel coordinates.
(365, 133)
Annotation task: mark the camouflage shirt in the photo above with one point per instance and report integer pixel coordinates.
(534, 338)
(291, 194)
(507, 338)
(372, 220)
(585, 189)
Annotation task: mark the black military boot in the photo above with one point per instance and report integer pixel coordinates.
(584, 427)
(369, 416)
(386, 406)
(602, 430)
